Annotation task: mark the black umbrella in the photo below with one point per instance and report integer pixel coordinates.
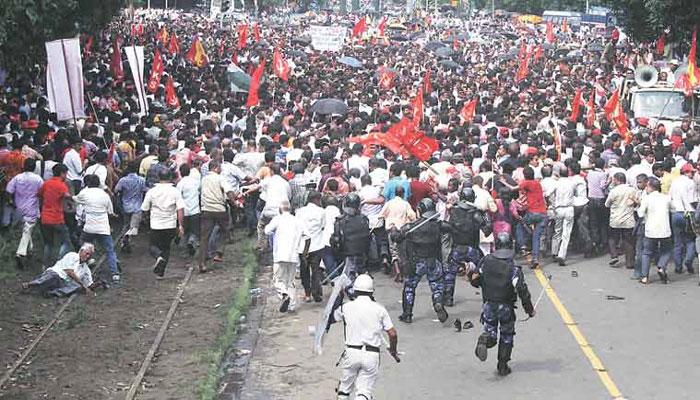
(298, 53)
(329, 106)
(302, 41)
(509, 35)
(430, 46)
(508, 56)
(449, 64)
(444, 52)
(399, 38)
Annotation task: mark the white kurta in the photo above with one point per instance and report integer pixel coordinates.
(288, 231)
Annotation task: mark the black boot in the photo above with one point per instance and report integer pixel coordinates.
(481, 350)
(441, 312)
(407, 315)
(448, 296)
(504, 351)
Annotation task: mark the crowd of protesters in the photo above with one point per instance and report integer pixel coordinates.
(279, 168)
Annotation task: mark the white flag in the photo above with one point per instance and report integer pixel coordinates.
(64, 79)
(134, 54)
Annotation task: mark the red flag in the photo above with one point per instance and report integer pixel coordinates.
(565, 26)
(196, 55)
(256, 32)
(382, 26)
(576, 105)
(413, 142)
(253, 98)
(612, 105)
(360, 27)
(136, 29)
(469, 110)
(550, 32)
(684, 83)
(242, 36)
(661, 44)
(162, 36)
(539, 52)
(174, 46)
(88, 46)
(280, 65)
(156, 72)
(222, 48)
(590, 112)
(386, 78)
(523, 69)
(427, 87)
(234, 58)
(523, 50)
(170, 95)
(693, 72)
(115, 64)
(418, 108)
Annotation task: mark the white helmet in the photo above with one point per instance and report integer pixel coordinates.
(364, 283)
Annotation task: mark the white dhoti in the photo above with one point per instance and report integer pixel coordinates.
(360, 370)
(283, 274)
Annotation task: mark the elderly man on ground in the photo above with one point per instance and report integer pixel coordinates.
(70, 273)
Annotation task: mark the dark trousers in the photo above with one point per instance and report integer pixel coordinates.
(208, 221)
(47, 281)
(623, 238)
(161, 240)
(582, 227)
(599, 216)
(311, 274)
(191, 225)
(54, 235)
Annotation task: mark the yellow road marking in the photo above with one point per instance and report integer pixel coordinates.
(580, 339)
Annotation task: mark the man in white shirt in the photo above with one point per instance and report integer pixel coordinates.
(75, 166)
(357, 160)
(372, 202)
(654, 208)
(189, 186)
(287, 230)
(274, 190)
(97, 207)
(312, 218)
(683, 200)
(72, 268)
(484, 202)
(563, 215)
(167, 209)
(331, 213)
(621, 204)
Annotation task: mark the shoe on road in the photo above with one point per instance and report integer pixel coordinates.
(481, 350)
(285, 303)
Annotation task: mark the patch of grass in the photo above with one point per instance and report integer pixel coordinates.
(208, 387)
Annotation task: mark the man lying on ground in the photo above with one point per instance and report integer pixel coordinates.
(70, 273)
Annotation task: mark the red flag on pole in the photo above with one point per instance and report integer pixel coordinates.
(684, 83)
(661, 44)
(418, 108)
(427, 87)
(469, 110)
(256, 32)
(590, 112)
(386, 78)
(523, 69)
(565, 26)
(170, 95)
(242, 36)
(539, 52)
(576, 105)
(382, 26)
(550, 32)
(115, 65)
(280, 65)
(174, 45)
(196, 55)
(157, 69)
(162, 36)
(360, 27)
(612, 105)
(693, 72)
(253, 98)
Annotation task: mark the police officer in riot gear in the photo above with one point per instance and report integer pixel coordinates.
(423, 249)
(464, 223)
(351, 237)
(501, 282)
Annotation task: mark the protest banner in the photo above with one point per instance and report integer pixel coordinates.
(327, 38)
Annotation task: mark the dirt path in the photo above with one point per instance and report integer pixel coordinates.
(97, 347)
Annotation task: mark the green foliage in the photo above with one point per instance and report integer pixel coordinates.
(26, 24)
(644, 20)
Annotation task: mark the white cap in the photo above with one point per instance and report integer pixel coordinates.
(364, 283)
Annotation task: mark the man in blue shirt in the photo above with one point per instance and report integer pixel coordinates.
(396, 180)
(130, 190)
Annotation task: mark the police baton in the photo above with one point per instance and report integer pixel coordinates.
(539, 298)
(425, 221)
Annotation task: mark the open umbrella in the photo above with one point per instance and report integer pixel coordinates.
(298, 53)
(239, 80)
(329, 106)
(398, 27)
(430, 46)
(444, 52)
(399, 38)
(351, 62)
(595, 47)
(449, 64)
(302, 41)
(507, 57)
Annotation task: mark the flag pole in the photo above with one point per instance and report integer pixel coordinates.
(70, 91)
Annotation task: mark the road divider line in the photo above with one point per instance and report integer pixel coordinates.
(580, 339)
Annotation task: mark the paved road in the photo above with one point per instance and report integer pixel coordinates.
(647, 344)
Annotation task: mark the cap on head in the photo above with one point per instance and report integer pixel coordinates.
(426, 207)
(364, 283)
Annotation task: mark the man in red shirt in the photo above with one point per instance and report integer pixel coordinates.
(53, 224)
(419, 190)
